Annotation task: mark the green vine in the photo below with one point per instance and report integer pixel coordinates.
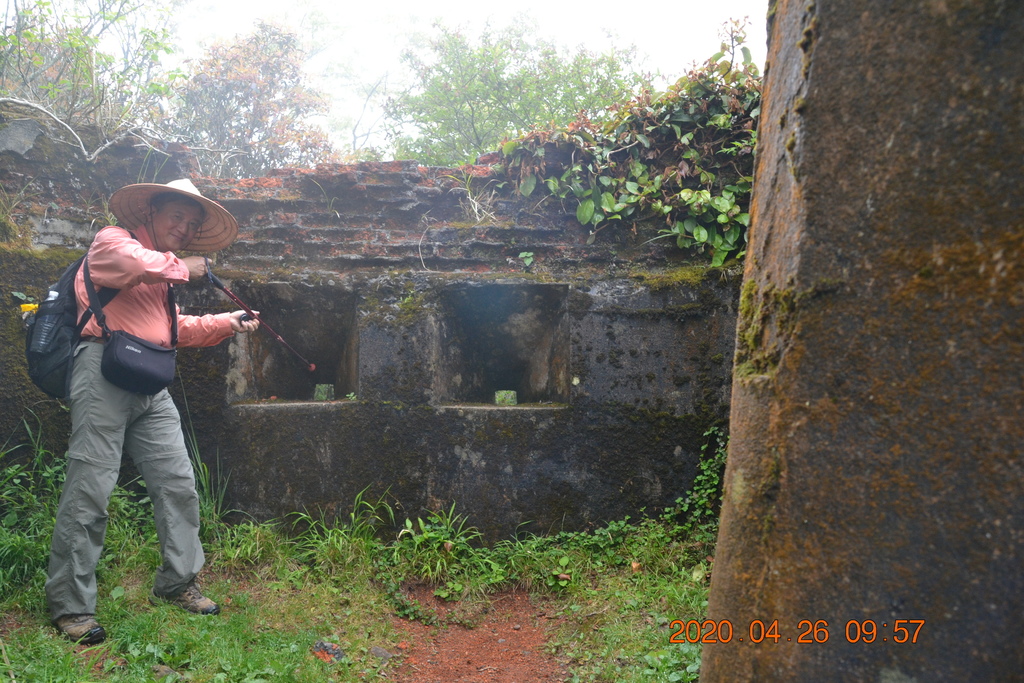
(683, 157)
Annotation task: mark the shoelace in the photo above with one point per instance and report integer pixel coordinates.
(192, 592)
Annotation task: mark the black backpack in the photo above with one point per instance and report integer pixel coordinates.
(53, 332)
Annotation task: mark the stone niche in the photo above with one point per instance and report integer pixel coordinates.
(616, 386)
(318, 322)
(500, 337)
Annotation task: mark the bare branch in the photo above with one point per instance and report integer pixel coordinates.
(49, 114)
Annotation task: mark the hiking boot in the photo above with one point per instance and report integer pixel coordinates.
(81, 628)
(189, 599)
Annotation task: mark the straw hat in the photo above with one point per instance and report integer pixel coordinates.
(131, 206)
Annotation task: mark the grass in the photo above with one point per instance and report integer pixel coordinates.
(284, 586)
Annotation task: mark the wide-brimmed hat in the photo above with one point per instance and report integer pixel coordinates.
(131, 206)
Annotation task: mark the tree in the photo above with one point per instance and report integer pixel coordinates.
(52, 67)
(469, 94)
(245, 107)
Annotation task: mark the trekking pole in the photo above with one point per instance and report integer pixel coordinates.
(252, 315)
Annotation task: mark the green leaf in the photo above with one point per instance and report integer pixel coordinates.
(747, 59)
(743, 219)
(719, 257)
(644, 139)
(509, 147)
(700, 234)
(527, 185)
(608, 202)
(585, 212)
(721, 204)
(633, 187)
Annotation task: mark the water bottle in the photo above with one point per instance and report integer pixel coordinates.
(48, 318)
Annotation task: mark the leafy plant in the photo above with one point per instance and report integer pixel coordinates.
(682, 159)
(527, 258)
(677, 663)
(432, 548)
(698, 511)
(558, 576)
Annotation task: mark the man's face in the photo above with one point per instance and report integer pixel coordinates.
(174, 225)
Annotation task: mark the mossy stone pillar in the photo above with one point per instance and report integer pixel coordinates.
(877, 429)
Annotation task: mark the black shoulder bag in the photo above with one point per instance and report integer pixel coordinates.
(129, 362)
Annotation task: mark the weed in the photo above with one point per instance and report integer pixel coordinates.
(477, 205)
(334, 549)
(211, 486)
(9, 202)
(29, 491)
(330, 202)
(433, 549)
(249, 545)
(699, 509)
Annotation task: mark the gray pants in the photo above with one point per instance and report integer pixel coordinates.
(104, 421)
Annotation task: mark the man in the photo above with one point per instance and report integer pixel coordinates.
(138, 259)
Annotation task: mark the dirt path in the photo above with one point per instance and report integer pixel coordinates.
(504, 643)
(501, 642)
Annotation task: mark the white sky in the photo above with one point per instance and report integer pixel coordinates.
(364, 40)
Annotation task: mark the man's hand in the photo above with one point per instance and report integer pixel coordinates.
(238, 325)
(196, 266)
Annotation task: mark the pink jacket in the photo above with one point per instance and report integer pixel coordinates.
(118, 260)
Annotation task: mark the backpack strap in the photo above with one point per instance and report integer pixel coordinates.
(97, 301)
(102, 298)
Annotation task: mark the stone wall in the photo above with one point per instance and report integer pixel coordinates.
(404, 286)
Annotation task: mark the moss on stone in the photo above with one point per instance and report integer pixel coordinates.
(758, 349)
(684, 275)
